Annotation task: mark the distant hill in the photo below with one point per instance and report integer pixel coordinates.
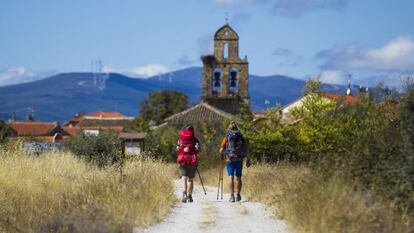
(59, 97)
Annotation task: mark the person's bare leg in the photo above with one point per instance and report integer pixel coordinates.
(239, 185)
(231, 185)
(185, 178)
(190, 186)
(232, 199)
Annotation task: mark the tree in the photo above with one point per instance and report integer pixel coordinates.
(162, 104)
(158, 106)
(5, 132)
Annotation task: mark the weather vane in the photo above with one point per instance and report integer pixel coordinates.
(227, 17)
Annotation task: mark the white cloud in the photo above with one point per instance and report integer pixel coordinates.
(141, 71)
(15, 75)
(393, 79)
(334, 77)
(18, 75)
(396, 55)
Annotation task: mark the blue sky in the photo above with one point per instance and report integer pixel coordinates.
(373, 40)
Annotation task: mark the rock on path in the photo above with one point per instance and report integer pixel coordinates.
(206, 214)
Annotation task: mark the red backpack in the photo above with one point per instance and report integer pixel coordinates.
(187, 152)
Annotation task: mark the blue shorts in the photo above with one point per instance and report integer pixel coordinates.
(234, 168)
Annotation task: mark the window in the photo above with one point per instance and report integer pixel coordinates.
(216, 80)
(226, 51)
(233, 81)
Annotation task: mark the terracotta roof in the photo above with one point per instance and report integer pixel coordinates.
(103, 122)
(25, 128)
(72, 131)
(78, 117)
(345, 99)
(102, 114)
(132, 136)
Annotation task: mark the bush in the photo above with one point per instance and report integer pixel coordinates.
(104, 149)
(5, 132)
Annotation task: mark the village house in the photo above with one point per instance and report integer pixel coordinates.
(47, 132)
(51, 133)
(343, 99)
(99, 118)
(96, 122)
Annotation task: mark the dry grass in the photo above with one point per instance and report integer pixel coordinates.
(58, 193)
(313, 205)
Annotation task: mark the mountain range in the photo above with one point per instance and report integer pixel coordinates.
(61, 96)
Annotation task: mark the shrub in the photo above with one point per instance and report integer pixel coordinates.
(104, 149)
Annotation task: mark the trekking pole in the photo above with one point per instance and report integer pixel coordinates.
(201, 180)
(218, 186)
(222, 182)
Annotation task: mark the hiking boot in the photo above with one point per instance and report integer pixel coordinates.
(238, 197)
(189, 198)
(231, 198)
(184, 199)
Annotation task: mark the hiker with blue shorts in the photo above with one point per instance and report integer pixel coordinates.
(234, 146)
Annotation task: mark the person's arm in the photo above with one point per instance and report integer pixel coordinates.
(198, 145)
(177, 148)
(223, 144)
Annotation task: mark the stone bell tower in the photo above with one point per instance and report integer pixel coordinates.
(225, 74)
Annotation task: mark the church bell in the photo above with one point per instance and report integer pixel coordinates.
(233, 78)
(216, 79)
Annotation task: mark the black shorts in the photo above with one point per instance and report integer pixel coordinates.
(188, 170)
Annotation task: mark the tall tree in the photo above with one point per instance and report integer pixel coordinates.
(157, 106)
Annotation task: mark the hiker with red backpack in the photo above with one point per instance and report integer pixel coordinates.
(188, 148)
(234, 146)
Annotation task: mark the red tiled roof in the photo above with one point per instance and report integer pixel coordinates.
(345, 99)
(78, 117)
(24, 128)
(105, 114)
(72, 131)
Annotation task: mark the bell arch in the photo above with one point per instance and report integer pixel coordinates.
(217, 80)
(233, 81)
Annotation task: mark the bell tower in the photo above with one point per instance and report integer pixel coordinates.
(225, 74)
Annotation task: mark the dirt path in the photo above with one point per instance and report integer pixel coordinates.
(206, 214)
